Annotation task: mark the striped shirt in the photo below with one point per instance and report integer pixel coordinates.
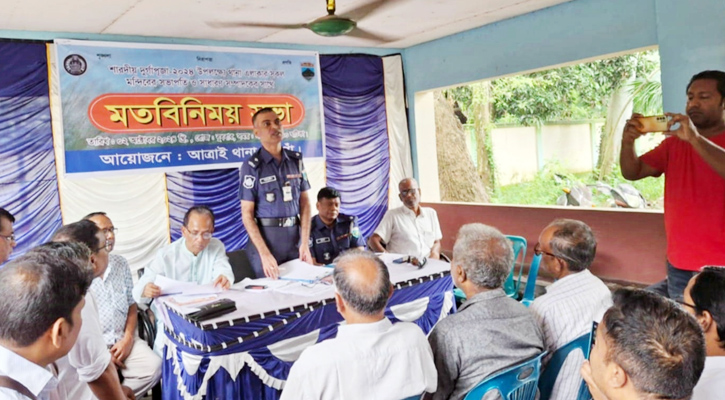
(566, 312)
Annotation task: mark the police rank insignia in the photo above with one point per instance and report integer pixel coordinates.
(269, 197)
(248, 181)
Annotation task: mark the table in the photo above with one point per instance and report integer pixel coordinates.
(248, 354)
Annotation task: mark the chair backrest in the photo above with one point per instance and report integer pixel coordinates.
(530, 290)
(548, 377)
(512, 284)
(240, 265)
(514, 383)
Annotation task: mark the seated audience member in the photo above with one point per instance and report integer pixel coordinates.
(7, 235)
(646, 347)
(705, 299)
(370, 358)
(490, 331)
(575, 299)
(331, 233)
(117, 310)
(409, 229)
(88, 372)
(40, 317)
(195, 257)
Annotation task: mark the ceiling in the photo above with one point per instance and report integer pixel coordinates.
(403, 22)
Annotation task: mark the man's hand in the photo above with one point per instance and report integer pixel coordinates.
(586, 372)
(305, 253)
(151, 291)
(632, 129)
(269, 264)
(128, 392)
(222, 282)
(434, 254)
(122, 349)
(686, 131)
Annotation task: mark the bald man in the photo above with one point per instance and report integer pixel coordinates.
(409, 229)
(369, 355)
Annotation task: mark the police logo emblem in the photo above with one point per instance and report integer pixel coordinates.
(248, 181)
(308, 70)
(75, 65)
(269, 197)
(327, 256)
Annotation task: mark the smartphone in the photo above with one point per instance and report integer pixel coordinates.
(655, 123)
(255, 287)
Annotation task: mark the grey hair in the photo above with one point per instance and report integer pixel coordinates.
(367, 298)
(573, 241)
(484, 253)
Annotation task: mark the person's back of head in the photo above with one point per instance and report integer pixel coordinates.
(83, 231)
(652, 348)
(482, 257)
(573, 241)
(41, 291)
(363, 286)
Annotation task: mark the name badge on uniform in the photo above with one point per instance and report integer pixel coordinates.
(287, 193)
(322, 240)
(268, 179)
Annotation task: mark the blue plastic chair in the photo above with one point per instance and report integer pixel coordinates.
(515, 383)
(548, 377)
(530, 290)
(511, 285)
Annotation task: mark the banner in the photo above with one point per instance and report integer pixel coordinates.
(129, 106)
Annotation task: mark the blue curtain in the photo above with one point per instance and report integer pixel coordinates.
(28, 183)
(218, 189)
(356, 135)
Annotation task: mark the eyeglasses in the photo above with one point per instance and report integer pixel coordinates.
(538, 251)
(408, 191)
(10, 238)
(694, 307)
(112, 229)
(204, 235)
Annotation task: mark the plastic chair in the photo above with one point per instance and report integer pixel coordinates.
(548, 377)
(240, 265)
(511, 285)
(530, 290)
(515, 383)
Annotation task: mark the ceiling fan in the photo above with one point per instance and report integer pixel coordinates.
(328, 25)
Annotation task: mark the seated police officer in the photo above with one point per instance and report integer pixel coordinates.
(331, 233)
(275, 205)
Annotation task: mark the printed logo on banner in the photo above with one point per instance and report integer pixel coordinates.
(248, 181)
(75, 64)
(308, 70)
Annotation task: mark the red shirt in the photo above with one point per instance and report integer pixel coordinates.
(694, 204)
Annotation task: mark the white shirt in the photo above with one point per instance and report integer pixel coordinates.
(113, 294)
(566, 312)
(405, 233)
(87, 359)
(378, 360)
(711, 385)
(38, 380)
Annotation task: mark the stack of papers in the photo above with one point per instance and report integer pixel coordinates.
(170, 286)
(300, 271)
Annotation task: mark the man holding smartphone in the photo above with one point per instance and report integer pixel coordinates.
(693, 161)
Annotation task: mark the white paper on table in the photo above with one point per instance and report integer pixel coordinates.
(303, 289)
(296, 270)
(171, 286)
(270, 284)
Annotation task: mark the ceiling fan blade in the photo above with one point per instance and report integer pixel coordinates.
(364, 34)
(223, 24)
(366, 10)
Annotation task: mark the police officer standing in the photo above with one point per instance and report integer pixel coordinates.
(275, 204)
(331, 232)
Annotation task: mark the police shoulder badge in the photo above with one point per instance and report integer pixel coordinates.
(248, 181)
(355, 232)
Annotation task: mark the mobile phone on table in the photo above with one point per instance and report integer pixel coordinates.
(654, 123)
(402, 260)
(255, 287)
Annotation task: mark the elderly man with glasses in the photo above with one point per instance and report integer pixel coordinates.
(7, 235)
(195, 257)
(139, 366)
(575, 299)
(409, 229)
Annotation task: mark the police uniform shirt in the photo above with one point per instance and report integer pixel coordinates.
(326, 243)
(264, 182)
